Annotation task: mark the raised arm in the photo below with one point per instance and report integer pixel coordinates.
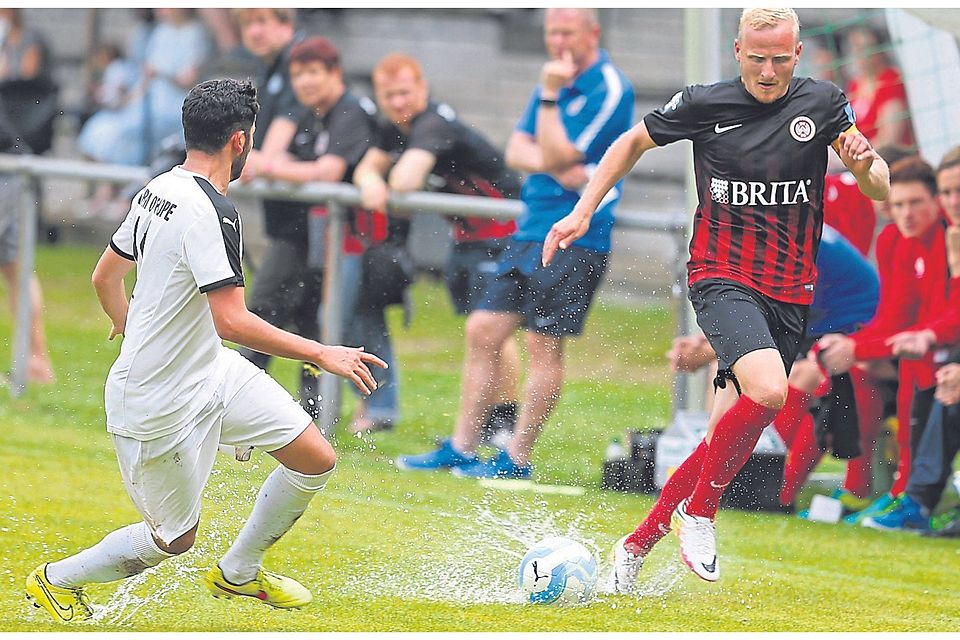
(107, 279)
(622, 155)
(866, 165)
(234, 322)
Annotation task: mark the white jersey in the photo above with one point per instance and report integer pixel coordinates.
(185, 237)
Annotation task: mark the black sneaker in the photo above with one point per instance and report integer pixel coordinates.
(500, 417)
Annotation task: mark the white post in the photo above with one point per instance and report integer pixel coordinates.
(27, 240)
(332, 332)
(702, 53)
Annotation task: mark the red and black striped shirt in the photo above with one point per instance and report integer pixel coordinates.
(759, 172)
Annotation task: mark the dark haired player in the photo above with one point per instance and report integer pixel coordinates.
(760, 152)
(175, 391)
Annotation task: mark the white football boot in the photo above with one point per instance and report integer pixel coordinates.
(626, 568)
(698, 542)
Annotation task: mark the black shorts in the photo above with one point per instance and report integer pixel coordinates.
(471, 267)
(552, 300)
(737, 320)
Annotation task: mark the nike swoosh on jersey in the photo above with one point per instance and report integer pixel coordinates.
(718, 129)
(718, 486)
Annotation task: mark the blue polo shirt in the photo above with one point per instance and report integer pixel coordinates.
(595, 110)
(848, 288)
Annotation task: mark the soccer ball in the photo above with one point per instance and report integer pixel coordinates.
(558, 571)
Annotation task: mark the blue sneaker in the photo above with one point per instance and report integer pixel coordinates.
(499, 466)
(880, 506)
(907, 515)
(445, 457)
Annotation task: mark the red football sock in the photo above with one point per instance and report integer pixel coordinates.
(732, 443)
(802, 458)
(869, 413)
(678, 486)
(789, 418)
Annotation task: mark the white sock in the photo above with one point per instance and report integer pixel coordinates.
(121, 554)
(282, 500)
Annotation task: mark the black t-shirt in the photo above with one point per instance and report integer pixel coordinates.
(467, 164)
(282, 219)
(466, 161)
(760, 172)
(347, 130)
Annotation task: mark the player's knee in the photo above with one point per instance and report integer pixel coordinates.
(181, 544)
(769, 393)
(805, 376)
(326, 458)
(482, 332)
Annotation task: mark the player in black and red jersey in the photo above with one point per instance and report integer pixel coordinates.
(759, 147)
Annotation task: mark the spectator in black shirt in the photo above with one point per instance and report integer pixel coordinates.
(285, 293)
(330, 139)
(419, 139)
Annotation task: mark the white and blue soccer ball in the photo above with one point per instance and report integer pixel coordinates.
(558, 571)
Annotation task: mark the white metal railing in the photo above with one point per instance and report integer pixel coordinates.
(337, 197)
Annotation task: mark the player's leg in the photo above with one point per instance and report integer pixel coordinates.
(39, 367)
(760, 338)
(259, 412)
(486, 332)
(471, 267)
(497, 316)
(869, 401)
(555, 303)
(164, 478)
(629, 551)
(365, 325)
(804, 379)
(544, 380)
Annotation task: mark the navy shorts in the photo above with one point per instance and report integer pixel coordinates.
(471, 267)
(737, 320)
(552, 300)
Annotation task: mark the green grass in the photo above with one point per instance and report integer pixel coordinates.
(385, 551)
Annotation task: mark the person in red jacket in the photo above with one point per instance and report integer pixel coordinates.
(912, 314)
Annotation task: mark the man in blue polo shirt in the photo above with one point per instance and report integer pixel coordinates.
(582, 105)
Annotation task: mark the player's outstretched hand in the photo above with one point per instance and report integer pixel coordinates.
(856, 152)
(352, 363)
(563, 233)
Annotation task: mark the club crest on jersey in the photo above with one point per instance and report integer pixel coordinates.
(674, 102)
(766, 194)
(802, 129)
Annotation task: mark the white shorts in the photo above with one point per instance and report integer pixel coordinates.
(165, 476)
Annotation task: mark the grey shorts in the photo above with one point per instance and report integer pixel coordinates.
(737, 320)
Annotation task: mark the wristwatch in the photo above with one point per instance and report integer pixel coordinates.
(548, 102)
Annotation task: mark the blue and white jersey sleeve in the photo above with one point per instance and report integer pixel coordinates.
(606, 113)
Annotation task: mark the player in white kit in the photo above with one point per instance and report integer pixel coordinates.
(176, 392)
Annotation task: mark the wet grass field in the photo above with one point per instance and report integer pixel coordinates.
(389, 551)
